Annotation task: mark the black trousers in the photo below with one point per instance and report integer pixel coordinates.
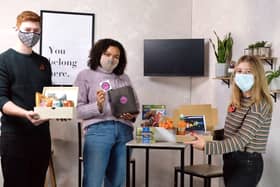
(242, 169)
(24, 172)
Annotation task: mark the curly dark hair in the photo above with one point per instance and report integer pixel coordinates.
(100, 47)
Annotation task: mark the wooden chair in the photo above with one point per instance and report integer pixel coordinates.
(207, 171)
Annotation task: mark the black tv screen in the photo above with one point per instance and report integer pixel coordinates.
(174, 57)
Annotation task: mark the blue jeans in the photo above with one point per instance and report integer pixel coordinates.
(242, 169)
(105, 154)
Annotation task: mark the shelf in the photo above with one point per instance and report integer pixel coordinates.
(274, 93)
(268, 60)
(225, 79)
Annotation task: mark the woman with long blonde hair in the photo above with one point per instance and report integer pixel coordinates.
(246, 127)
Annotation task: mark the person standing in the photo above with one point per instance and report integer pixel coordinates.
(104, 155)
(25, 138)
(246, 127)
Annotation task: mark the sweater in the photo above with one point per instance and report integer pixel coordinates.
(21, 76)
(246, 129)
(89, 82)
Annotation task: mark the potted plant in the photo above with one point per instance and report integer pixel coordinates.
(259, 48)
(273, 79)
(264, 49)
(223, 53)
(249, 50)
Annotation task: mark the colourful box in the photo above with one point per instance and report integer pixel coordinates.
(157, 108)
(71, 93)
(145, 134)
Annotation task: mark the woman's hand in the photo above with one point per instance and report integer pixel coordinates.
(198, 143)
(100, 97)
(127, 116)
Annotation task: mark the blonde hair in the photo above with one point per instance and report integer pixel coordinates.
(27, 16)
(260, 90)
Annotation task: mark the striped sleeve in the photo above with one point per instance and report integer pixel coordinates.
(240, 139)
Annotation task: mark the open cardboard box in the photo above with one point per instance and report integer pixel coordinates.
(211, 118)
(59, 112)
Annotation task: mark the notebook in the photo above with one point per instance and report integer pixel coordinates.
(122, 100)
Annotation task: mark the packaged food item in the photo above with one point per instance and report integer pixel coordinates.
(56, 102)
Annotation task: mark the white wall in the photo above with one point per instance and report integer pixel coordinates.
(248, 21)
(130, 22)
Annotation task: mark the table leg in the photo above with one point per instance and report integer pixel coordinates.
(182, 166)
(191, 163)
(147, 167)
(127, 168)
(80, 154)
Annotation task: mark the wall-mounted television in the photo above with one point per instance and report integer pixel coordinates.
(174, 57)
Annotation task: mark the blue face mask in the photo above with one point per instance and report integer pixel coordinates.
(244, 81)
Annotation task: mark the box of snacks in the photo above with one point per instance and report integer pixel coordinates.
(56, 102)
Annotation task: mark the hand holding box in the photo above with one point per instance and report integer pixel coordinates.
(57, 102)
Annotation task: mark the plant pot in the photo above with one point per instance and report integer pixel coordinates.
(248, 51)
(221, 69)
(265, 51)
(275, 84)
(256, 51)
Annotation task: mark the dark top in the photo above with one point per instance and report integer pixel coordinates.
(21, 76)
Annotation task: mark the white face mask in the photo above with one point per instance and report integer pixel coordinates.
(244, 81)
(108, 64)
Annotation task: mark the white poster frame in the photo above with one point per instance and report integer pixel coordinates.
(66, 40)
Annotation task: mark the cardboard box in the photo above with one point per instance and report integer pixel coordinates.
(211, 114)
(189, 138)
(71, 93)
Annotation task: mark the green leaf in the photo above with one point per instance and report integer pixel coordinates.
(270, 75)
(223, 51)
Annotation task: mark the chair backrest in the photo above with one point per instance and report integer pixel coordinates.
(218, 134)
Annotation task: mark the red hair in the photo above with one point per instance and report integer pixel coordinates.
(27, 16)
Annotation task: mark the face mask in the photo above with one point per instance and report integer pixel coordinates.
(244, 81)
(108, 64)
(28, 38)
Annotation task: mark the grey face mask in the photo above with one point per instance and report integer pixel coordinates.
(29, 38)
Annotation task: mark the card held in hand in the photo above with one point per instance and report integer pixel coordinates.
(122, 100)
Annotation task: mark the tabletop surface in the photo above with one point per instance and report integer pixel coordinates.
(134, 143)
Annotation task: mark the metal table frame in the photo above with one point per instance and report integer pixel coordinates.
(80, 159)
(158, 145)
